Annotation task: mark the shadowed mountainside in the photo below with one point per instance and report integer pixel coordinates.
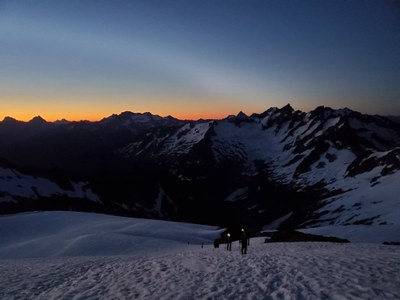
(305, 169)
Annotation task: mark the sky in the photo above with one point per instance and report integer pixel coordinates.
(195, 59)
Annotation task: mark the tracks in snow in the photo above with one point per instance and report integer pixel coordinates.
(268, 271)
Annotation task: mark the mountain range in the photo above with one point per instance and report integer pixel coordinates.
(282, 168)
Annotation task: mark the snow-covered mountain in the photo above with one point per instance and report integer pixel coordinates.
(20, 191)
(325, 167)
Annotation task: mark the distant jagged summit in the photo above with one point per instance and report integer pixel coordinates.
(287, 109)
(38, 120)
(241, 116)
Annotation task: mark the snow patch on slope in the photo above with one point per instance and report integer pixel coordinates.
(365, 203)
(274, 225)
(16, 184)
(246, 143)
(183, 140)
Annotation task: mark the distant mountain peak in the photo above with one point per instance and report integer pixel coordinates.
(131, 119)
(129, 114)
(9, 120)
(62, 121)
(126, 113)
(38, 120)
(326, 111)
(241, 116)
(287, 108)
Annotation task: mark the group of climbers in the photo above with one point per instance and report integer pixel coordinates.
(228, 238)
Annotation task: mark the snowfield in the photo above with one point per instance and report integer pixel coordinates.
(65, 255)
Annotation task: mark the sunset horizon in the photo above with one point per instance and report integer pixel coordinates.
(199, 59)
(180, 116)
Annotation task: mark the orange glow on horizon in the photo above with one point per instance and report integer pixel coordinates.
(79, 109)
(89, 109)
(51, 117)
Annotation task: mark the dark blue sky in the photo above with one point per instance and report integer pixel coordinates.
(88, 59)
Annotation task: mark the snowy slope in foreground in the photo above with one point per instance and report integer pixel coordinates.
(165, 267)
(50, 234)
